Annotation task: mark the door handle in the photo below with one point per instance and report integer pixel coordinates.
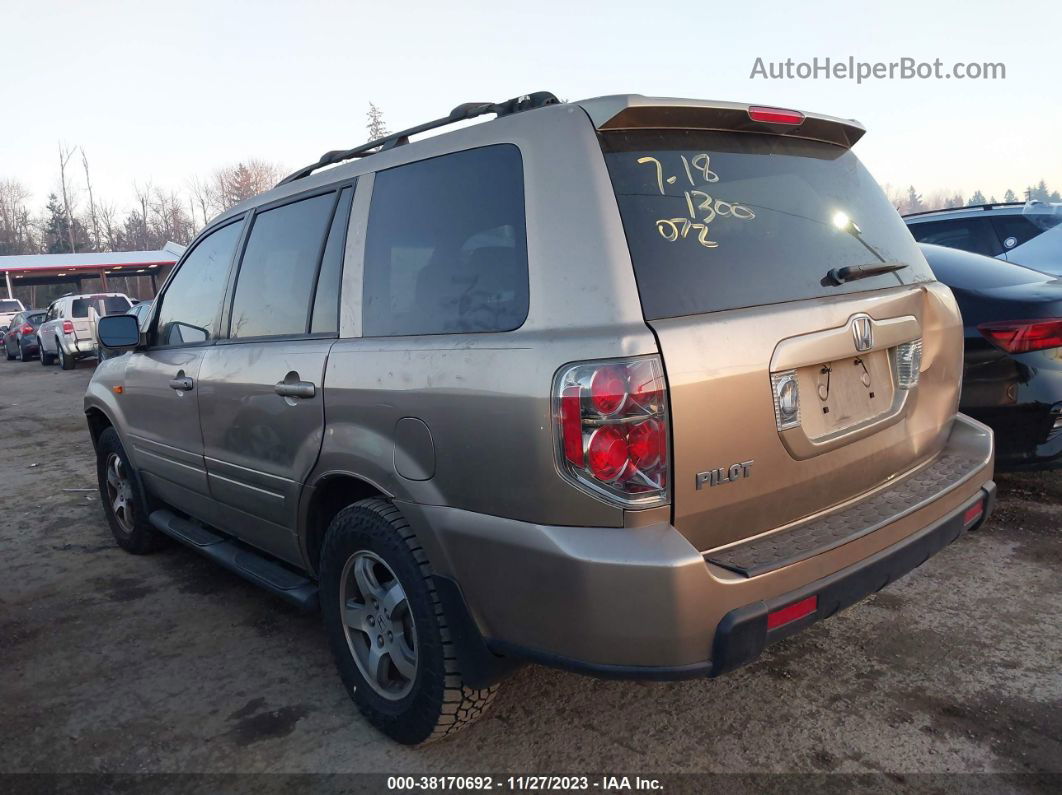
(182, 383)
(295, 389)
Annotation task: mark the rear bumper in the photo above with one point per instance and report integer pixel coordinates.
(642, 603)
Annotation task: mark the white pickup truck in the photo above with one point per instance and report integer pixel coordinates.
(68, 332)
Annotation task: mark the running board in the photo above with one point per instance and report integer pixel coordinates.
(240, 559)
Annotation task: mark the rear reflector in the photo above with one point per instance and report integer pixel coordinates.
(776, 115)
(973, 513)
(790, 613)
(1022, 336)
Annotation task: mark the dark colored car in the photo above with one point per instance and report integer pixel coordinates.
(1012, 380)
(20, 340)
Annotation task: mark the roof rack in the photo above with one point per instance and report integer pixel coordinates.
(468, 110)
(990, 206)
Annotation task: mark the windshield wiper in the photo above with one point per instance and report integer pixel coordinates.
(852, 272)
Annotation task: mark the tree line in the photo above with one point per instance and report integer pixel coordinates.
(74, 219)
(911, 201)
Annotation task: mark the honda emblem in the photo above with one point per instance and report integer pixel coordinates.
(863, 333)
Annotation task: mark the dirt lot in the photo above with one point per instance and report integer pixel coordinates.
(112, 663)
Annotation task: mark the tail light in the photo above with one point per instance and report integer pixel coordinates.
(908, 364)
(1022, 336)
(26, 329)
(610, 419)
(68, 327)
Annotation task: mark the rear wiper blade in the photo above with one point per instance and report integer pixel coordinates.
(853, 272)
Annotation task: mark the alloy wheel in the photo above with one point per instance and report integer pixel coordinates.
(378, 625)
(119, 493)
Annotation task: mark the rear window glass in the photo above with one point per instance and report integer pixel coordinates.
(720, 220)
(103, 304)
(10, 306)
(36, 318)
(446, 248)
(969, 234)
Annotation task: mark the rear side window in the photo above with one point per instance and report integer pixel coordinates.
(103, 304)
(192, 301)
(968, 234)
(276, 279)
(719, 220)
(1013, 230)
(446, 246)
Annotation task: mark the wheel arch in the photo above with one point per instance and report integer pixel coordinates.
(327, 496)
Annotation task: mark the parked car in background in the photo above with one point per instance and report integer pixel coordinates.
(20, 340)
(1027, 233)
(1012, 375)
(631, 386)
(9, 307)
(68, 332)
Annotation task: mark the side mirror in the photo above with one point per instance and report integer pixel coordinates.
(118, 332)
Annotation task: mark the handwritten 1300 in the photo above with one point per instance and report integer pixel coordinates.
(697, 201)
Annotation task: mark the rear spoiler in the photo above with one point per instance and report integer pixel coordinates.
(635, 112)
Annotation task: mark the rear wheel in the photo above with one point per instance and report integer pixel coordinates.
(7, 350)
(123, 504)
(22, 355)
(46, 358)
(387, 628)
(66, 361)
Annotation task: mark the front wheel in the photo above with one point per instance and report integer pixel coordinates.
(388, 630)
(122, 501)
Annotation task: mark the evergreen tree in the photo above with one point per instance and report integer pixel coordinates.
(375, 124)
(1010, 196)
(976, 198)
(913, 202)
(55, 239)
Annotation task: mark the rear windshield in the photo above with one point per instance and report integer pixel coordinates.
(719, 220)
(103, 304)
(10, 306)
(36, 318)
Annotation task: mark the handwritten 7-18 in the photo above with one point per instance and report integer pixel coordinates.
(672, 229)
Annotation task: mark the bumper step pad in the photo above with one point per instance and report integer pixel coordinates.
(785, 547)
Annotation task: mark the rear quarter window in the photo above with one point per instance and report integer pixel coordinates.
(718, 221)
(446, 246)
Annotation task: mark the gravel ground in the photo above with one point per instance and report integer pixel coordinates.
(117, 664)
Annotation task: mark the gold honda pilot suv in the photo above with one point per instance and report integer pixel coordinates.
(629, 386)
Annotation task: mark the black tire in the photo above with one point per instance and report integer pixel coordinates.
(46, 358)
(134, 534)
(439, 702)
(66, 361)
(7, 350)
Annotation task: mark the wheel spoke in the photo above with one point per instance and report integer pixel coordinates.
(404, 661)
(377, 663)
(118, 504)
(355, 615)
(393, 598)
(367, 584)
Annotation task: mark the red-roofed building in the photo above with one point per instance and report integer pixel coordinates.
(138, 274)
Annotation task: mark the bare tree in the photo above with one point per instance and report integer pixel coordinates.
(64, 157)
(375, 123)
(93, 217)
(16, 228)
(231, 185)
(202, 195)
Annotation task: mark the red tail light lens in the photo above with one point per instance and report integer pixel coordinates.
(68, 327)
(776, 115)
(611, 426)
(26, 329)
(1022, 336)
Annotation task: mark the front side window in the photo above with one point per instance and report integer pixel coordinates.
(446, 246)
(191, 304)
(276, 280)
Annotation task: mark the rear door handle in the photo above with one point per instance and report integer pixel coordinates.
(182, 383)
(296, 389)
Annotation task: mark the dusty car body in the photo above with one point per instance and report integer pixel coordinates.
(600, 385)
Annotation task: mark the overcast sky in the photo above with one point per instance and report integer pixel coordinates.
(165, 90)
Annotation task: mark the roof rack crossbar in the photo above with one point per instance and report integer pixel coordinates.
(468, 110)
